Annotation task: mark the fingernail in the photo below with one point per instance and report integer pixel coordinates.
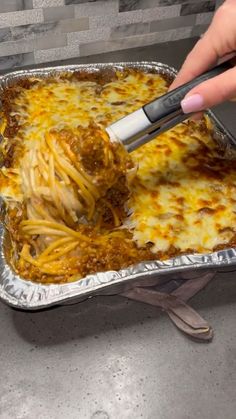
(192, 103)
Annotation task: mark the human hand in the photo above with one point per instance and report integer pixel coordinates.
(218, 42)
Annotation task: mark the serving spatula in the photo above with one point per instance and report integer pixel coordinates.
(158, 116)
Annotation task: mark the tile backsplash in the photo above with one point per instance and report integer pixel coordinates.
(39, 31)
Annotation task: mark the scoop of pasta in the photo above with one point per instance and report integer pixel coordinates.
(75, 184)
(69, 174)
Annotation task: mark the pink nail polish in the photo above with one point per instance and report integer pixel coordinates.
(192, 103)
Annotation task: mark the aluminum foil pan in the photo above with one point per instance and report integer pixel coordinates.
(28, 295)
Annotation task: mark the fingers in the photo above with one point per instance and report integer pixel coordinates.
(196, 62)
(211, 92)
(196, 116)
(218, 41)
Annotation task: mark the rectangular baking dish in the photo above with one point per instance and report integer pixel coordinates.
(28, 295)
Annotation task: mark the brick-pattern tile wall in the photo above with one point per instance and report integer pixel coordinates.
(38, 31)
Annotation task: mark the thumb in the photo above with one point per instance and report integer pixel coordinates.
(211, 92)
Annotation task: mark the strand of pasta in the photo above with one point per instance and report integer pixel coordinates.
(86, 195)
(72, 205)
(86, 181)
(54, 245)
(41, 211)
(62, 194)
(43, 231)
(42, 166)
(31, 213)
(59, 253)
(35, 247)
(33, 210)
(113, 211)
(54, 268)
(30, 181)
(27, 224)
(25, 183)
(62, 173)
(108, 156)
(52, 185)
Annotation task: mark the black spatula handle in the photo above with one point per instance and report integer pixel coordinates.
(160, 108)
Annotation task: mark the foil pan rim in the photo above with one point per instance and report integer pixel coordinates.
(28, 295)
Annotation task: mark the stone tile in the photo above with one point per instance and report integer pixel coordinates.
(171, 35)
(5, 35)
(23, 46)
(135, 41)
(50, 41)
(23, 17)
(174, 23)
(58, 13)
(204, 18)
(28, 4)
(39, 29)
(16, 61)
(88, 36)
(27, 58)
(136, 16)
(47, 3)
(98, 47)
(197, 7)
(12, 48)
(170, 2)
(127, 5)
(32, 31)
(79, 1)
(68, 28)
(161, 13)
(114, 20)
(98, 8)
(198, 30)
(11, 5)
(44, 56)
(74, 25)
(130, 30)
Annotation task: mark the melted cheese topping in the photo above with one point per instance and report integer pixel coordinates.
(183, 194)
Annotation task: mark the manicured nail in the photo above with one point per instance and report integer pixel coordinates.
(192, 103)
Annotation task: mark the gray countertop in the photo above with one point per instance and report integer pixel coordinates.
(110, 358)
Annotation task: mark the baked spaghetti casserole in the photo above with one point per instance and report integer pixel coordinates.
(77, 204)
